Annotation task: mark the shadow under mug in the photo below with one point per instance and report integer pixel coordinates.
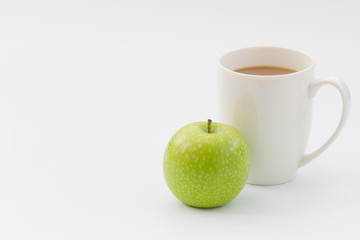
(273, 112)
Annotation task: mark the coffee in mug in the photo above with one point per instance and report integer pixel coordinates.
(265, 70)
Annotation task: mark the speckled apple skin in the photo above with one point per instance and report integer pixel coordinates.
(204, 169)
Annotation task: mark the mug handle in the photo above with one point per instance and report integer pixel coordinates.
(340, 85)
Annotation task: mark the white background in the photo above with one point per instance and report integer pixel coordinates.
(92, 91)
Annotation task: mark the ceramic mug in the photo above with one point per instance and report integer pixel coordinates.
(273, 112)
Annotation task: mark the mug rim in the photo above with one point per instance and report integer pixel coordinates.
(266, 76)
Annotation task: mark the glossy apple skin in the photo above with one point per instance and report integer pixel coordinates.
(204, 169)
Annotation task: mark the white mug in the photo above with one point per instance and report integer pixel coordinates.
(273, 112)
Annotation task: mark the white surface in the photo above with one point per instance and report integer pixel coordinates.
(91, 92)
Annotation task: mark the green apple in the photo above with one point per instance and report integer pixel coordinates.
(206, 164)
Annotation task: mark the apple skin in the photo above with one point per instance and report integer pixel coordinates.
(206, 170)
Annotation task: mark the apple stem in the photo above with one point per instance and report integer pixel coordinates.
(209, 125)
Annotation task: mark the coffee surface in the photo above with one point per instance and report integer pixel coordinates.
(265, 70)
